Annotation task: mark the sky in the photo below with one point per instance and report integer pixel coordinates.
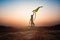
(18, 12)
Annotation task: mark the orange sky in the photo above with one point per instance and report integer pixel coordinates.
(17, 13)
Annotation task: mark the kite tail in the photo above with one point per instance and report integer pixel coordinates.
(35, 15)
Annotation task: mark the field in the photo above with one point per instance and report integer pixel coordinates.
(36, 33)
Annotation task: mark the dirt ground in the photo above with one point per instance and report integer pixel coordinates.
(31, 34)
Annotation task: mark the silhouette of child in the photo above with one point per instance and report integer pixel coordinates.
(32, 23)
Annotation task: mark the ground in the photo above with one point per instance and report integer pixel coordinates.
(36, 33)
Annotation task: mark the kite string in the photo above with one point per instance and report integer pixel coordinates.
(34, 13)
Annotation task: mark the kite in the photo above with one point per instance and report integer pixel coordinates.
(36, 10)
